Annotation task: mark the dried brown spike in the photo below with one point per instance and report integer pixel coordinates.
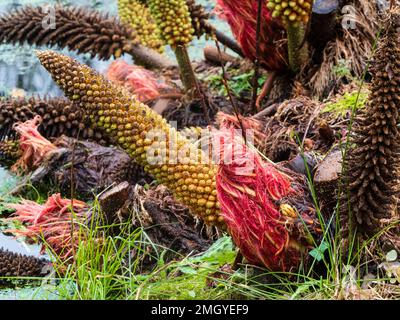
(60, 117)
(372, 176)
(18, 265)
(78, 29)
(9, 149)
(199, 18)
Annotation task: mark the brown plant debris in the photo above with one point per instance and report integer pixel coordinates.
(350, 49)
(78, 29)
(295, 121)
(177, 227)
(372, 162)
(86, 166)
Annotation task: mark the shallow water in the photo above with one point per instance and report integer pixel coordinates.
(29, 293)
(7, 181)
(9, 243)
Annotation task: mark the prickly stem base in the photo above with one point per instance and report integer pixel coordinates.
(185, 69)
(297, 50)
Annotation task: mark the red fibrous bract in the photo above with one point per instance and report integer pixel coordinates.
(241, 15)
(252, 194)
(57, 223)
(252, 126)
(33, 145)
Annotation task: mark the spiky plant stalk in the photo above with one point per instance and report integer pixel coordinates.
(18, 265)
(174, 21)
(59, 116)
(199, 18)
(371, 190)
(138, 16)
(78, 29)
(295, 15)
(140, 131)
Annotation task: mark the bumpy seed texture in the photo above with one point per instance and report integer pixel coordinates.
(194, 133)
(199, 18)
(291, 11)
(372, 161)
(9, 152)
(80, 29)
(173, 20)
(59, 116)
(138, 16)
(163, 152)
(17, 265)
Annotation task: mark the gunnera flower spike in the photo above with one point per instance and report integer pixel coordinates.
(175, 23)
(295, 15)
(59, 116)
(18, 265)
(78, 29)
(138, 130)
(372, 178)
(138, 16)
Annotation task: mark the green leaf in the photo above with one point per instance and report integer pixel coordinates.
(318, 253)
(187, 270)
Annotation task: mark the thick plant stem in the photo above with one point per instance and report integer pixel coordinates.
(297, 49)
(257, 61)
(150, 58)
(228, 42)
(188, 77)
(189, 80)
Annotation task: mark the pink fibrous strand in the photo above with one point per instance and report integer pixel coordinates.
(139, 81)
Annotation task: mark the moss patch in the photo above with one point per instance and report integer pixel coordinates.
(347, 102)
